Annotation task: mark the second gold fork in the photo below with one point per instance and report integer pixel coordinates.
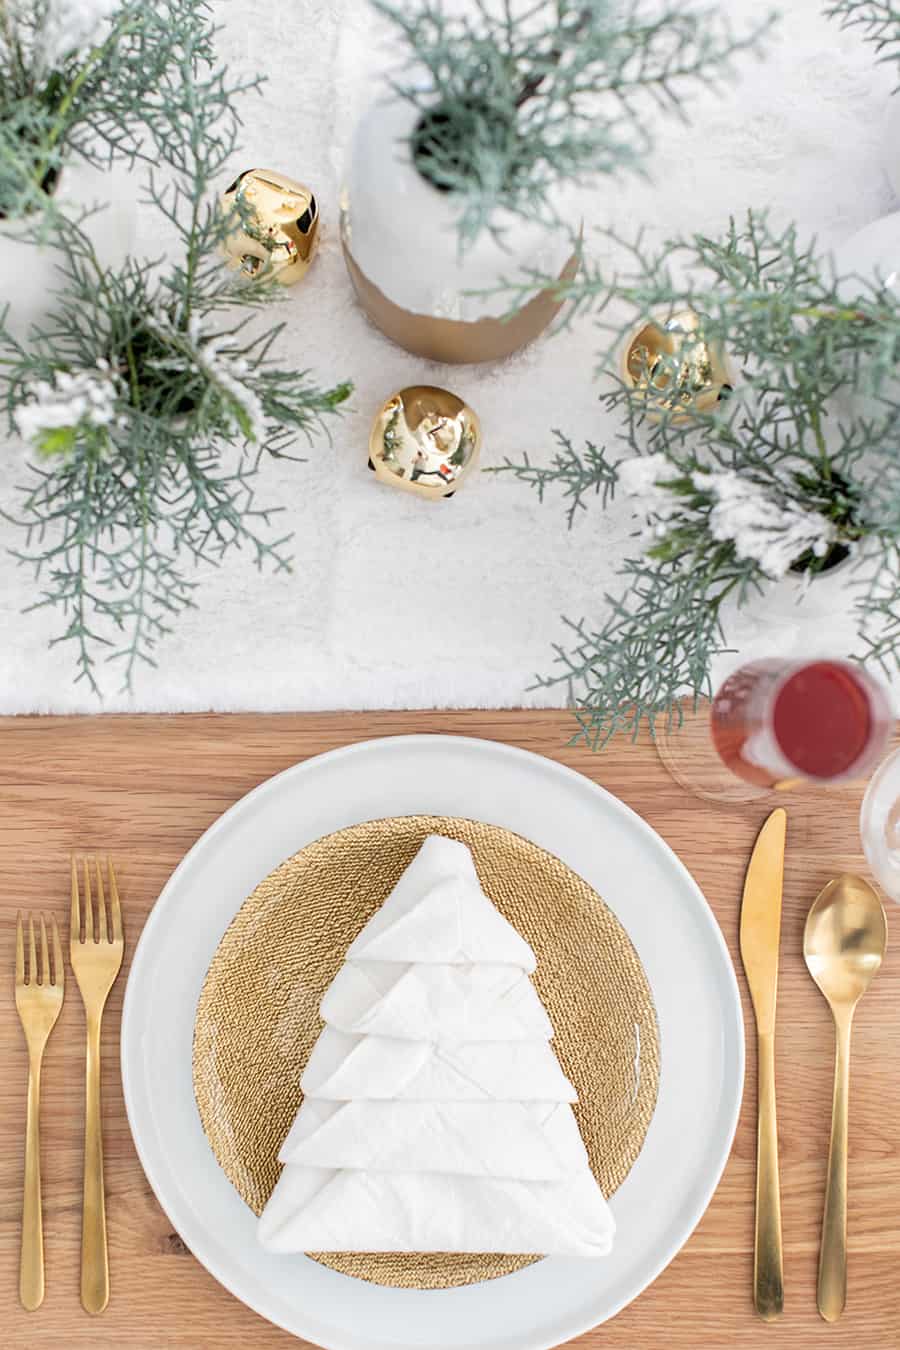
(96, 960)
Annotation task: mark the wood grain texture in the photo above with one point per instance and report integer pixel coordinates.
(146, 787)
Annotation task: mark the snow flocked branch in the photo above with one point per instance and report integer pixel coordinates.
(148, 404)
(795, 469)
(88, 79)
(518, 96)
(879, 22)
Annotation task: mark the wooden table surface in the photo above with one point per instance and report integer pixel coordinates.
(146, 787)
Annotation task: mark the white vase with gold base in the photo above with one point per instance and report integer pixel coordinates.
(402, 249)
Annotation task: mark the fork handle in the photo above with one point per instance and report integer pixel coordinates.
(31, 1263)
(94, 1256)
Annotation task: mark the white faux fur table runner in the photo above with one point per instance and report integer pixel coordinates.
(395, 602)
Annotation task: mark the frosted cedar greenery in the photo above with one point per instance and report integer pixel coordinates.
(796, 468)
(877, 20)
(518, 96)
(146, 404)
(90, 79)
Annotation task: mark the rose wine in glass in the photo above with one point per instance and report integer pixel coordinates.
(776, 723)
(821, 721)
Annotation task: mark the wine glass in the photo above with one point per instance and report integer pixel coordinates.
(879, 825)
(776, 723)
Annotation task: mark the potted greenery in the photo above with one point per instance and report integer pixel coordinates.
(80, 85)
(146, 405)
(462, 171)
(795, 473)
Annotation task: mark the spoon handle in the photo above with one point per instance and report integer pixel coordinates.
(768, 1274)
(832, 1289)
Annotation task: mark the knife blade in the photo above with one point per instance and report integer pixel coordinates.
(760, 941)
(761, 918)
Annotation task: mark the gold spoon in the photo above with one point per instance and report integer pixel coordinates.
(843, 943)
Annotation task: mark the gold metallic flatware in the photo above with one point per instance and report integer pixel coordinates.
(844, 942)
(760, 937)
(96, 958)
(39, 998)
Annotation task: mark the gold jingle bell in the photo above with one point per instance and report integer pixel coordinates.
(276, 225)
(424, 440)
(674, 368)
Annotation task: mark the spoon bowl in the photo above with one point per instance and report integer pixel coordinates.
(844, 942)
(845, 939)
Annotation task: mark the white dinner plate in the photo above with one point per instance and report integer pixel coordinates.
(676, 937)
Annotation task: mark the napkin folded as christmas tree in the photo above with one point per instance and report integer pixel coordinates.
(344, 1067)
(449, 1003)
(435, 1116)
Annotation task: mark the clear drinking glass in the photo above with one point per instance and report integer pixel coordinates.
(879, 826)
(776, 723)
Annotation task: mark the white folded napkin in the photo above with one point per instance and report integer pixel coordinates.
(314, 1210)
(435, 1115)
(343, 1067)
(535, 1141)
(438, 912)
(453, 1003)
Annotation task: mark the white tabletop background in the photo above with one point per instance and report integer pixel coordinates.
(395, 602)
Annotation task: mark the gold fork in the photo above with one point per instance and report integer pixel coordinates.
(39, 997)
(96, 959)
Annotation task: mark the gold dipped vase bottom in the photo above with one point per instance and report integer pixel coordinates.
(457, 341)
(258, 1018)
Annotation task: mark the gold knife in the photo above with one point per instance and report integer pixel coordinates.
(760, 935)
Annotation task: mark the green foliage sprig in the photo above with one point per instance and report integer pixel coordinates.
(879, 21)
(91, 78)
(150, 402)
(521, 95)
(798, 467)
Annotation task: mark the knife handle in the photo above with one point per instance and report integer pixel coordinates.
(768, 1270)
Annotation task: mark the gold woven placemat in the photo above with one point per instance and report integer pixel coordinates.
(258, 1014)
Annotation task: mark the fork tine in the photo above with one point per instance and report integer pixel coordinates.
(32, 952)
(59, 970)
(101, 902)
(75, 913)
(46, 976)
(115, 909)
(88, 905)
(20, 951)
